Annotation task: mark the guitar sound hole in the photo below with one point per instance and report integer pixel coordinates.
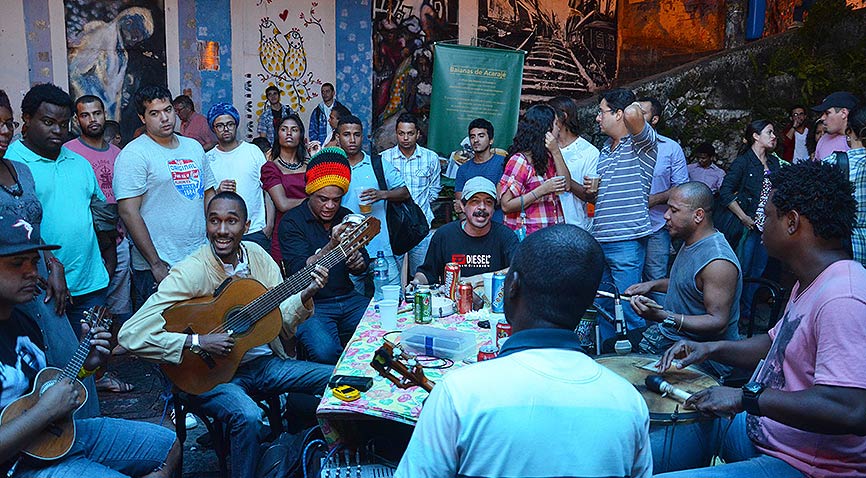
(237, 322)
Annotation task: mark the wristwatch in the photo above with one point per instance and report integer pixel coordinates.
(195, 347)
(751, 392)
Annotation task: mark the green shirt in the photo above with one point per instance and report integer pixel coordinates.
(65, 188)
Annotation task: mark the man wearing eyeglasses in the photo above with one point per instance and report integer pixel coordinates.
(237, 167)
(794, 137)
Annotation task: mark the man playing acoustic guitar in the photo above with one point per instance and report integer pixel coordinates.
(265, 369)
(102, 446)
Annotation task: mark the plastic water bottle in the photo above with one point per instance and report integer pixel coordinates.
(380, 274)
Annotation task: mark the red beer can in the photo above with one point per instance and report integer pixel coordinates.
(503, 331)
(487, 352)
(452, 279)
(464, 298)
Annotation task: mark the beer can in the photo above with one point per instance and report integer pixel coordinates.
(423, 306)
(464, 298)
(452, 279)
(487, 352)
(503, 331)
(497, 305)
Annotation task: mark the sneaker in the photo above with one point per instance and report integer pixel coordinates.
(191, 422)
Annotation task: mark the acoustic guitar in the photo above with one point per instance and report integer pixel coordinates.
(57, 439)
(248, 310)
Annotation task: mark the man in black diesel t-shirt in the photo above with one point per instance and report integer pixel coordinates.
(476, 243)
(102, 446)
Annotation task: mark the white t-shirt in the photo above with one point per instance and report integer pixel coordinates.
(581, 158)
(244, 165)
(172, 182)
(801, 153)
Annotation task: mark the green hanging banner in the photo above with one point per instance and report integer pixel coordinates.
(472, 82)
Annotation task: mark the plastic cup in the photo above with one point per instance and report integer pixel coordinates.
(388, 314)
(363, 206)
(558, 193)
(594, 181)
(488, 286)
(391, 292)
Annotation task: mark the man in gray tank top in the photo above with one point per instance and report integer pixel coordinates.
(705, 281)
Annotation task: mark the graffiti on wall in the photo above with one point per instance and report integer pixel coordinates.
(570, 44)
(113, 48)
(289, 41)
(403, 35)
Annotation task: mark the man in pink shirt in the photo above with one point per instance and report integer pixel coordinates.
(834, 112)
(805, 408)
(193, 124)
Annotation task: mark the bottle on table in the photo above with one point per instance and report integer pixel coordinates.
(380, 274)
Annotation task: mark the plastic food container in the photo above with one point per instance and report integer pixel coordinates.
(441, 343)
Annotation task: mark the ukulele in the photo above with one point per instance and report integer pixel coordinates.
(57, 439)
(248, 310)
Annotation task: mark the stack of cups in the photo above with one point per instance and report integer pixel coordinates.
(388, 306)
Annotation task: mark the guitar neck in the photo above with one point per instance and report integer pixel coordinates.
(272, 299)
(77, 361)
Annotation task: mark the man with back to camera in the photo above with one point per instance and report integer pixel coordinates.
(584, 420)
(477, 243)
(804, 413)
(162, 184)
(485, 162)
(265, 369)
(705, 284)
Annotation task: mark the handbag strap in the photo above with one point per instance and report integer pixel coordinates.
(379, 171)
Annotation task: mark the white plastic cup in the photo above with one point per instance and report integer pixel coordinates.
(595, 180)
(391, 292)
(388, 314)
(488, 286)
(364, 207)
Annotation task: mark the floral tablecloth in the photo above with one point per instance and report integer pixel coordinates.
(384, 399)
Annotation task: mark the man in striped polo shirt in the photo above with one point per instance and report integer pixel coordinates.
(622, 222)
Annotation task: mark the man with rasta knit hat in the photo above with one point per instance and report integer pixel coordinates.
(307, 233)
(237, 167)
(264, 370)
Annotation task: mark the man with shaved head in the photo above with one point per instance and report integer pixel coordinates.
(703, 291)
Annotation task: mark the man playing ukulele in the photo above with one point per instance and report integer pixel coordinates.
(102, 446)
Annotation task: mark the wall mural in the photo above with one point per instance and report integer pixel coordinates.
(289, 42)
(403, 35)
(113, 48)
(570, 44)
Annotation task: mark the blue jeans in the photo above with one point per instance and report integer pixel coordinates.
(658, 254)
(119, 293)
(107, 448)
(753, 261)
(364, 282)
(143, 286)
(231, 404)
(742, 459)
(624, 261)
(79, 304)
(333, 322)
(418, 254)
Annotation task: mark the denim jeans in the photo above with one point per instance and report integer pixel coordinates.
(742, 459)
(143, 286)
(624, 261)
(658, 254)
(259, 238)
(106, 448)
(418, 254)
(79, 304)
(333, 322)
(364, 283)
(119, 293)
(231, 403)
(753, 261)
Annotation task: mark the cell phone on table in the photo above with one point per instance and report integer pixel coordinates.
(362, 384)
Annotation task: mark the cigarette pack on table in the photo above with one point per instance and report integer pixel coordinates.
(441, 343)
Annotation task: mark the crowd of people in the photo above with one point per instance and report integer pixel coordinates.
(187, 205)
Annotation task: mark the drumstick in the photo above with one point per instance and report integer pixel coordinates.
(603, 293)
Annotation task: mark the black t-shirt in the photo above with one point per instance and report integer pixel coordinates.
(476, 255)
(21, 356)
(301, 235)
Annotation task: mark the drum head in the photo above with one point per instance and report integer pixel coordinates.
(690, 379)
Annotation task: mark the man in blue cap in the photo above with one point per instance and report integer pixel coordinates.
(237, 167)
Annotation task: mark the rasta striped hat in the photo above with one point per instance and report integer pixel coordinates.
(329, 167)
